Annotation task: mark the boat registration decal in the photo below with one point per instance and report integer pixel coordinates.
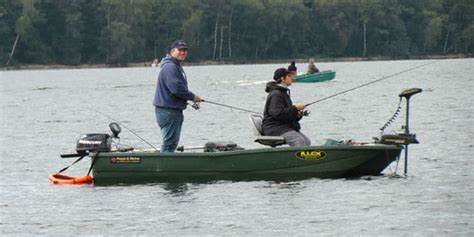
(126, 160)
(311, 155)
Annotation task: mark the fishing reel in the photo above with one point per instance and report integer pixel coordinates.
(304, 113)
(195, 105)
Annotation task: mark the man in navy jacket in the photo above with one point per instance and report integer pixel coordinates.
(171, 96)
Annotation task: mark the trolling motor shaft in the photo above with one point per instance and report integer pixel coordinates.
(407, 94)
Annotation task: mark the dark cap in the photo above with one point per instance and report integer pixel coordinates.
(179, 44)
(279, 73)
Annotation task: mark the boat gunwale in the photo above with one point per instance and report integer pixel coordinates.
(246, 151)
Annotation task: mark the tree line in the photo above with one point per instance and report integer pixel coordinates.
(76, 32)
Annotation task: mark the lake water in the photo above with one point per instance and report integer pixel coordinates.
(44, 112)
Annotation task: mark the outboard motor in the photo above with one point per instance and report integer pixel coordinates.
(97, 142)
(93, 142)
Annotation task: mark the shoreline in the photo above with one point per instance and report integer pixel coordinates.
(236, 62)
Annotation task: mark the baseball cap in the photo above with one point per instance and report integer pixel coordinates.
(179, 44)
(279, 73)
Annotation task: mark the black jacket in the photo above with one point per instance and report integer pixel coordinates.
(280, 116)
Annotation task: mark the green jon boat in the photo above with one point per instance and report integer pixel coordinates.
(285, 163)
(112, 164)
(316, 77)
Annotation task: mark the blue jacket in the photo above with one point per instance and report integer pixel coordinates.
(172, 86)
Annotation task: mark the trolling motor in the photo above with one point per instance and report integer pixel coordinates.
(406, 137)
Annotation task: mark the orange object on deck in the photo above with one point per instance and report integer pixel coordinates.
(65, 180)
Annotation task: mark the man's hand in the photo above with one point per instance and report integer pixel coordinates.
(299, 106)
(197, 99)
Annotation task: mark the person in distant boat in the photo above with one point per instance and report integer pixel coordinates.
(292, 67)
(155, 63)
(171, 96)
(281, 117)
(311, 67)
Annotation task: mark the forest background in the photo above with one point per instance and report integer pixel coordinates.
(121, 32)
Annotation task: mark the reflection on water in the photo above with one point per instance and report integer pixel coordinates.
(43, 113)
(176, 189)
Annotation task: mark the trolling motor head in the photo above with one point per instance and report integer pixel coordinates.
(409, 92)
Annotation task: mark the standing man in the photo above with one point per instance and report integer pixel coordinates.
(171, 96)
(281, 117)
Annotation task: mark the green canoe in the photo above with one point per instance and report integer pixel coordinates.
(316, 77)
(283, 163)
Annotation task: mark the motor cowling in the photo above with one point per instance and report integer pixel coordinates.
(93, 142)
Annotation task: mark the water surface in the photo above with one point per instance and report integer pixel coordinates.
(44, 112)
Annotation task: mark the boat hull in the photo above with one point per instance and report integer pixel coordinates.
(279, 164)
(316, 77)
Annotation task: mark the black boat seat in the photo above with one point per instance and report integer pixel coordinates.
(272, 141)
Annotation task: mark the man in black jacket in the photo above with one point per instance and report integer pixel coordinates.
(281, 117)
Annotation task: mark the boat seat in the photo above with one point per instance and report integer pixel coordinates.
(272, 141)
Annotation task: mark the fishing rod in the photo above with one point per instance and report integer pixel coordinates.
(229, 106)
(100, 112)
(368, 83)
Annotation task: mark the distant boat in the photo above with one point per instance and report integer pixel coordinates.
(316, 77)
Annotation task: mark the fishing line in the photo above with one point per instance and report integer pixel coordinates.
(229, 106)
(368, 83)
(100, 112)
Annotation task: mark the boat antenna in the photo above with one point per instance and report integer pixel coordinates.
(229, 106)
(368, 83)
(130, 130)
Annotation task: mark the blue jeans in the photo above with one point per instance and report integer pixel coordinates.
(170, 122)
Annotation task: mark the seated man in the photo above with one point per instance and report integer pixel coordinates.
(281, 117)
(311, 67)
